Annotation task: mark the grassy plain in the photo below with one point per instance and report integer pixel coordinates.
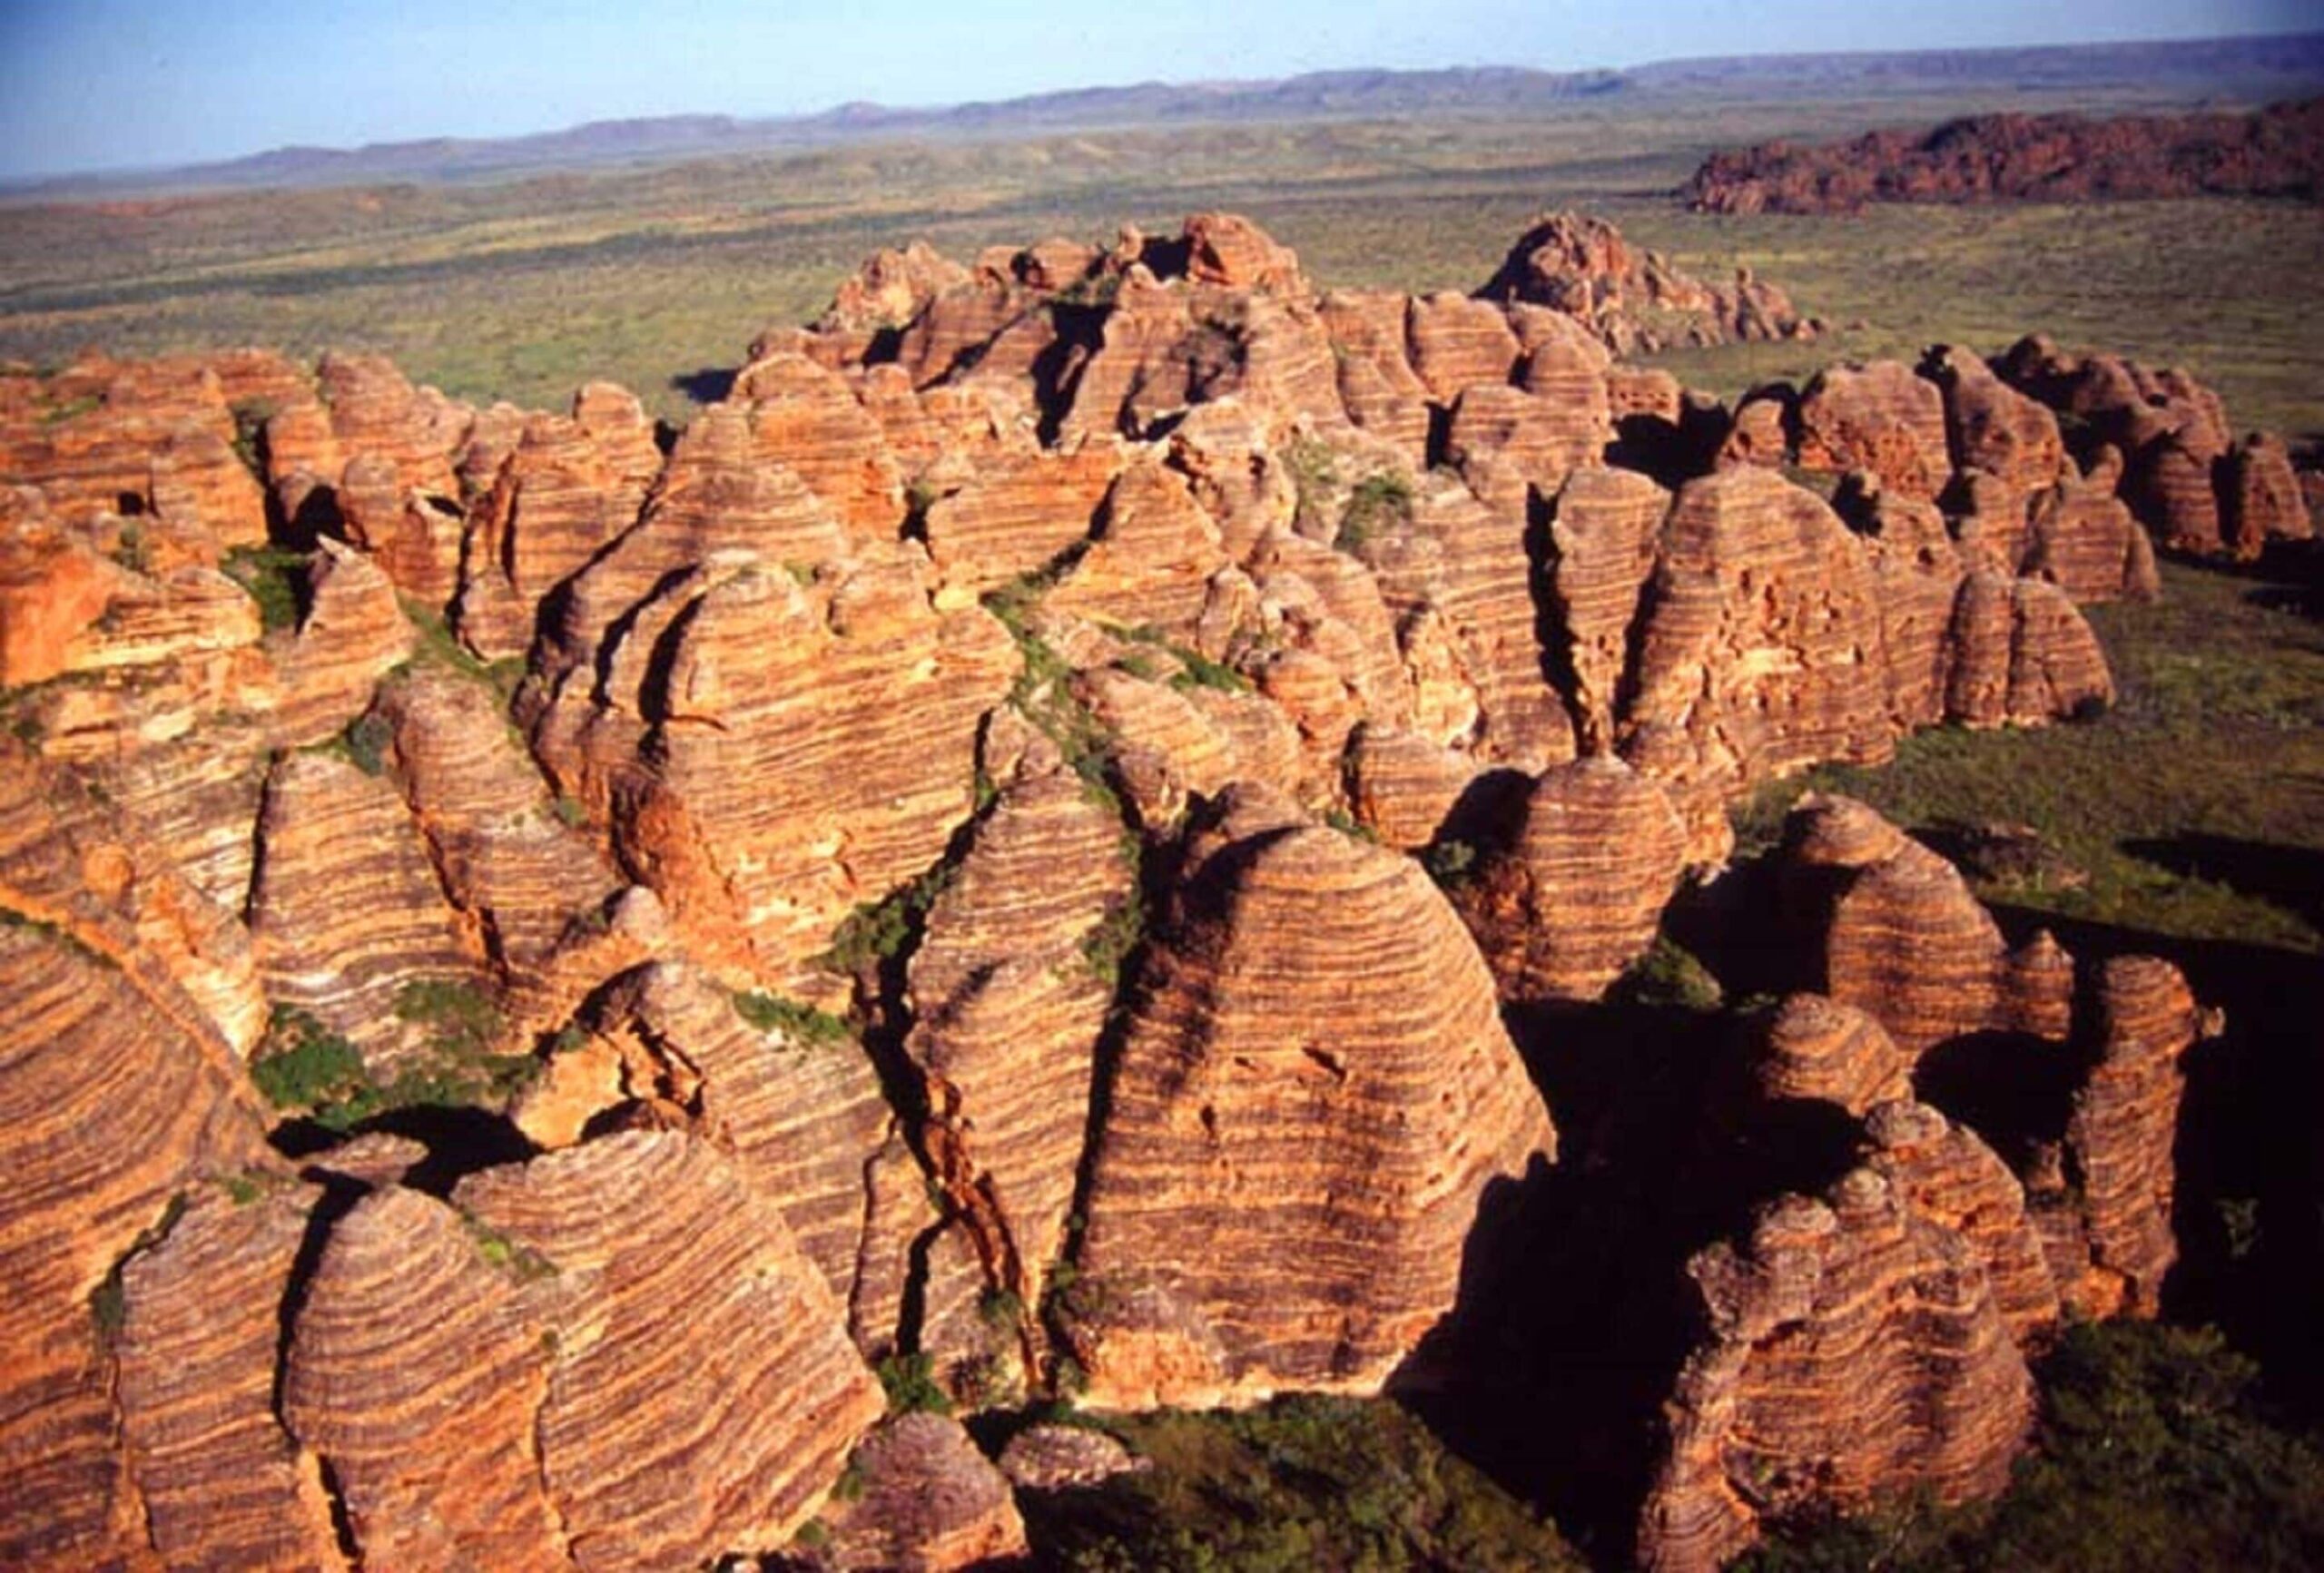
(522, 289)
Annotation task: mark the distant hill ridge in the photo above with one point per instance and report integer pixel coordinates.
(2277, 151)
(2274, 66)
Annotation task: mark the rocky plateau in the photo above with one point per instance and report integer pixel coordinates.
(1051, 846)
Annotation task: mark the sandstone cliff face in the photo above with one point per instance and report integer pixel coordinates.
(1880, 417)
(2119, 1138)
(1852, 1347)
(222, 1483)
(1814, 1046)
(554, 1306)
(1900, 936)
(687, 1295)
(2087, 1105)
(799, 1118)
(1761, 644)
(112, 1109)
(345, 912)
(2175, 462)
(931, 1503)
(1576, 896)
(1009, 991)
(1337, 1168)
(760, 817)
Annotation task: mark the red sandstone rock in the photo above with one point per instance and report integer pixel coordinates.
(2025, 158)
(1833, 1322)
(1326, 1170)
(1578, 894)
(1881, 418)
(1583, 267)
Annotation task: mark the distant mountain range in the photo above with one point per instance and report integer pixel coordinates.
(2289, 64)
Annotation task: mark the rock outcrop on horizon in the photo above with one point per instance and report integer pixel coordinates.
(2048, 158)
(1046, 842)
(1632, 299)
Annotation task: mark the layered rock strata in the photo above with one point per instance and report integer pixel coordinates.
(1340, 1163)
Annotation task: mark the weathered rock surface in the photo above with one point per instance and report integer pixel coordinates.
(1852, 1346)
(2085, 1103)
(1881, 418)
(799, 1118)
(674, 1292)
(1009, 991)
(419, 1374)
(1576, 895)
(1336, 1165)
(1812, 1047)
(1632, 299)
(222, 1483)
(810, 749)
(1760, 649)
(2120, 1134)
(875, 890)
(108, 1108)
(346, 914)
(1900, 938)
(931, 1503)
(1604, 534)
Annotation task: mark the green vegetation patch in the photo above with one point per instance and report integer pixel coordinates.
(909, 1381)
(1668, 977)
(438, 648)
(12, 918)
(1379, 502)
(250, 415)
(884, 930)
(1043, 692)
(801, 1023)
(304, 1067)
(109, 1300)
(273, 576)
(521, 1262)
(1301, 1484)
(1195, 669)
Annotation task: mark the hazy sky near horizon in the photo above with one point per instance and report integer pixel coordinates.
(89, 84)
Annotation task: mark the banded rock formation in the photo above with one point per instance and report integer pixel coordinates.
(846, 863)
(1576, 895)
(1852, 1347)
(1632, 299)
(1342, 1161)
(2091, 1085)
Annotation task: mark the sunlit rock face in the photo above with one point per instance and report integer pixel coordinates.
(1017, 849)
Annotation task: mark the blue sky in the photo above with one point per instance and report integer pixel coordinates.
(99, 84)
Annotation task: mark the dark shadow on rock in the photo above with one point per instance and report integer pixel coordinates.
(2291, 878)
(459, 1141)
(708, 384)
(1574, 1311)
(2014, 1090)
(1486, 815)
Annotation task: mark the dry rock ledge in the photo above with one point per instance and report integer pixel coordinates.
(1046, 844)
